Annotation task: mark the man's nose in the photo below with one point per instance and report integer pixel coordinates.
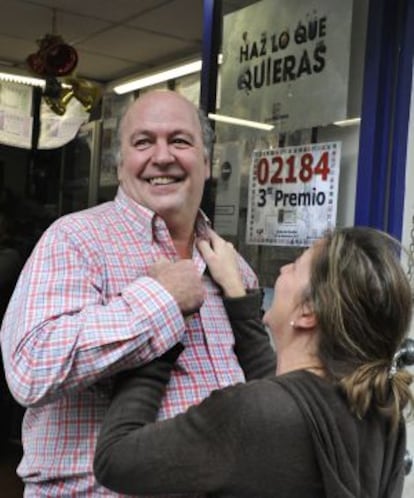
(162, 153)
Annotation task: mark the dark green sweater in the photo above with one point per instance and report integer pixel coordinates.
(290, 436)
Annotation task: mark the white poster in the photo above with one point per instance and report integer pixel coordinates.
(16, 121)
(286, 62)
(55, 130)
(293, 194)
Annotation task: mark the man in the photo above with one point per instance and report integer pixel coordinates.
(113, 287)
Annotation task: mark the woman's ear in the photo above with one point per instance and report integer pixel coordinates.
(307, 318)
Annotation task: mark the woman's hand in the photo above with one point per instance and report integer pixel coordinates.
(222, 262)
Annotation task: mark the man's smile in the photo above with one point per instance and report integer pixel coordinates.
(163, 180)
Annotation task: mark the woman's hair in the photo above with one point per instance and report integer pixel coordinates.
(363, 303)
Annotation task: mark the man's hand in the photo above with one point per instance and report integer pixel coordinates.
(182, 280)
(221, 259)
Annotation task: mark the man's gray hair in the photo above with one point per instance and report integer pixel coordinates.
(207, 133)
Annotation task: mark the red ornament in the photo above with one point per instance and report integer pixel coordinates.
(54, 58)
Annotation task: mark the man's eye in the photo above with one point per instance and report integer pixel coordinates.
(141, 143)
(181, 142)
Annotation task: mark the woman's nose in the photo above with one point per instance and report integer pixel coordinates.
(285, 267)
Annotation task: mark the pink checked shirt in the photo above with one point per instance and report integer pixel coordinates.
(83, 310)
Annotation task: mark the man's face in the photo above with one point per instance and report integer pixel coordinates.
(164, 165)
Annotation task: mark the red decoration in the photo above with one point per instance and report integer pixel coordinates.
(54, 58)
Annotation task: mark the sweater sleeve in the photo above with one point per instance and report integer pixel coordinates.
(199, 451)
(252, 342)
(246, 440)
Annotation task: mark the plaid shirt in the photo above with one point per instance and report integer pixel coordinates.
(83, 310)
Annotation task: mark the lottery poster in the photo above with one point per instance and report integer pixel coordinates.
(293, 193)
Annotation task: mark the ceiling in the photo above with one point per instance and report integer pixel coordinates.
(113, 39)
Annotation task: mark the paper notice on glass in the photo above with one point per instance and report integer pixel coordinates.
(16, 121)
(55, 130)
(293, 193)
(15, 114)
(16, 98)
(227, 171)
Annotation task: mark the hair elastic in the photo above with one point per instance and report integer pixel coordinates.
(393, 368)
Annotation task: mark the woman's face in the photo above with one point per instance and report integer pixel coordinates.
(289, 288)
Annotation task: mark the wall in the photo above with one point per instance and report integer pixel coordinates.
(408, 242)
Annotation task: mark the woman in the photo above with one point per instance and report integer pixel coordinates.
(329, 424)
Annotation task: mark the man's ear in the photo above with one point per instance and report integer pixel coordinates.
(119, 172)
(207, 168)
(307, 318)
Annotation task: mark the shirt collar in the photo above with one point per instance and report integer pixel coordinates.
(152, 226)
